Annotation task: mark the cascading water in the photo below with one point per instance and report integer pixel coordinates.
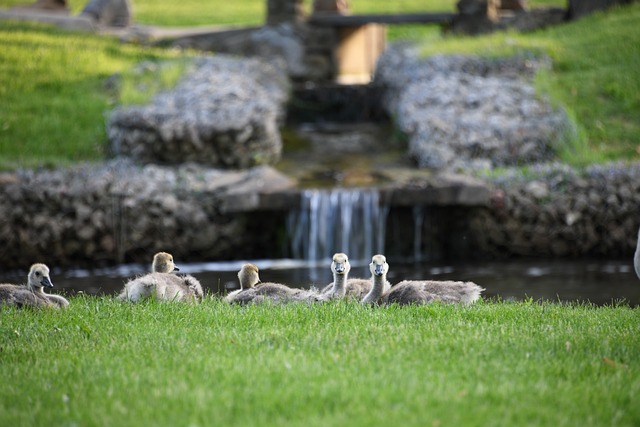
(338, 220)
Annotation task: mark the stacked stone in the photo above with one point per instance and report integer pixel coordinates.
(469, 113)
(224, 113)
(119, 211)
(557, 211)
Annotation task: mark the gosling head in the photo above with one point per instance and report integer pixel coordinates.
(38, 277)
(163, 263)
(379, 266)
(248, 276)
(340, 264)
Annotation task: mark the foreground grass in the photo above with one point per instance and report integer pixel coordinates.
(105, 363)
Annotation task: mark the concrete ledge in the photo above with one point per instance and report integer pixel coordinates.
(438, 190)
(336, 20)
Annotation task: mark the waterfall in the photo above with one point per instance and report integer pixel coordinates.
(338, 220)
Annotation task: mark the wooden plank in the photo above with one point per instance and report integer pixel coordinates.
(336, 20)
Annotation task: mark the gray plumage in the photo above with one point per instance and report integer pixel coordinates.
(162, 287)
(342, 286)
(380, 285)
(32, 294)
(252, 291)
(428, 291)
(416, 291)
(162, 284)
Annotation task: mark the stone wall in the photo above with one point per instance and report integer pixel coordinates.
(466, 112)
(224, 113)
(94, 215)
(557, 211)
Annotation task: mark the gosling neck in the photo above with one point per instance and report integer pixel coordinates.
(247, 284)
(376, 289)
(339, 281)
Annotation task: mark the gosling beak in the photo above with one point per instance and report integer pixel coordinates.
(339, 267)
(46, 282)
(379, 269)
(176, 268)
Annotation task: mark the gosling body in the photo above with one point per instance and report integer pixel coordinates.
(162, 284)
(32, 294)
(252, 291)
(428, 291)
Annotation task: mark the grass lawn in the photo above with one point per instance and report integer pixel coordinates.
(212, 12)
(53, 96)
(104, 363)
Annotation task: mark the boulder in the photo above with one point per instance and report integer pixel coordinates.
(225, 113)
(109, 13)
(466, 112)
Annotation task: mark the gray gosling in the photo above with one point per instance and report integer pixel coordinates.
(161, 284)
(417, 291)
(32, 294)
(340, 268)
(379, 269)
(342, 286)
(636, 257)
(428, 291)
(253, 291)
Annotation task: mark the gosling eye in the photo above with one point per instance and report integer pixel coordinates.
(37, 273)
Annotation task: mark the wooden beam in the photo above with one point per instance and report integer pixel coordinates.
(336, 20)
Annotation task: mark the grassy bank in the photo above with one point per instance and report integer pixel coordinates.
(591, 78)
(53, 92)
(105, 363)
(53, 97)
(197, 12)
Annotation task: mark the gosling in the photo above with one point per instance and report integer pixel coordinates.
(161, 284)
(253, 291)
(379, 269)
(428, 291)
(418, 291)
(32, 294)
(163, 263)
(342, 286)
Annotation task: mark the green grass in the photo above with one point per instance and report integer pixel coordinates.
(53, 98)
(139, 84)
(216, 12)
(527, 364)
